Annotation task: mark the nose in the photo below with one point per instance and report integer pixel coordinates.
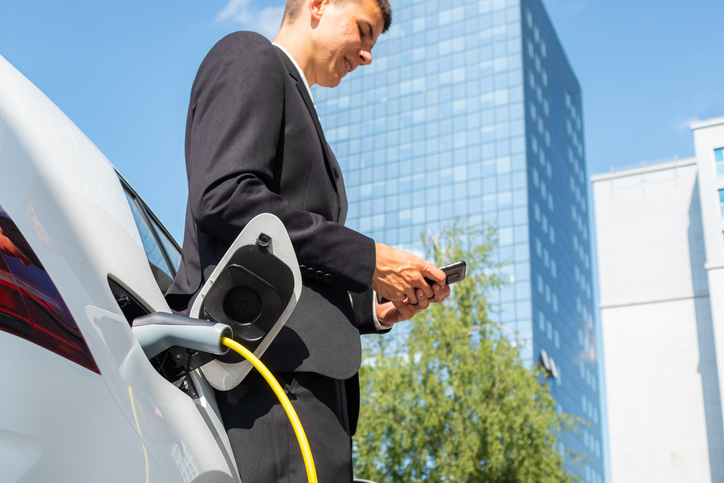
(365, 57)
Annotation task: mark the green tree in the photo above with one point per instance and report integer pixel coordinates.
(452, 400)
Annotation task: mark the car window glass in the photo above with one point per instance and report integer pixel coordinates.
(174, 255)
(159, 267)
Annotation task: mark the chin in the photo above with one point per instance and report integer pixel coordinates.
(333, 82)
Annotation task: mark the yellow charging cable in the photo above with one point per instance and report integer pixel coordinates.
(291, 413)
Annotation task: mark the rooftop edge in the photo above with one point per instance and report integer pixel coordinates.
(676, 163)
(715, 121)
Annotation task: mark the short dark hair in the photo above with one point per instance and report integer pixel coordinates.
(293, 8)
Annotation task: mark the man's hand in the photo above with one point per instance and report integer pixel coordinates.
(392, 312)
(399, 275)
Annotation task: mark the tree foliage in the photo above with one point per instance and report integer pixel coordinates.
(452, 400)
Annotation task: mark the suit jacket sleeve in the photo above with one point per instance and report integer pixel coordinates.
(234, 132)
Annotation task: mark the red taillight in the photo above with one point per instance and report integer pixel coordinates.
(13, 315)
(30, 305)
(11, 302)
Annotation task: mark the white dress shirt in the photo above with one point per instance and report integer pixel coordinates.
(378, 325)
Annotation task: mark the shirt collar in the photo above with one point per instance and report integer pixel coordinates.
(301, 72)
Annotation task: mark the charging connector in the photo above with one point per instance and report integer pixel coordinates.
(159, 331)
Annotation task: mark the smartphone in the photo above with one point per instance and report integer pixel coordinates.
(455, 272)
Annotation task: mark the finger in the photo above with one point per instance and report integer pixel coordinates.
(405, 311)
(422, 301)
(411, 297)
(400, 311)
(439, 293)
(434, 273)
(426, 289)
(411, 309)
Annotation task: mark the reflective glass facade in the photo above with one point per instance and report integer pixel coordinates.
(470, 109)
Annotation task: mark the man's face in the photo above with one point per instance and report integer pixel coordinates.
(344, 37)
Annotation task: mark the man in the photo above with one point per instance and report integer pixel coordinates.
(254, 145)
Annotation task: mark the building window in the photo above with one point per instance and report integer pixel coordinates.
(719, 161)
(721, 201)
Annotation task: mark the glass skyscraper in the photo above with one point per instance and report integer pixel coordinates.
(470, 109)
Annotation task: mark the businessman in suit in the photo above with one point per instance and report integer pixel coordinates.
(254, 145)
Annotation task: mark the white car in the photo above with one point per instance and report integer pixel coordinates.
(81, 258)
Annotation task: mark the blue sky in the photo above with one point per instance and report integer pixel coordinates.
(122, 71)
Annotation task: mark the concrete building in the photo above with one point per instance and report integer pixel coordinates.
(660, 257)
(471, 109)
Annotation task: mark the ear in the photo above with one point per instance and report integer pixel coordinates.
(316, 9)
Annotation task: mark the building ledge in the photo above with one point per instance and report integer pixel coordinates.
(643, 169)
(708, 123)
(653, 300)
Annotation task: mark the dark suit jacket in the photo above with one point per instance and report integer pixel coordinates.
(254, 145)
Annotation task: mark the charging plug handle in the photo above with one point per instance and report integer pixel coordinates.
(159, 331)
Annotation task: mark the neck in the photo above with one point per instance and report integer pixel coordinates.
(298, 46)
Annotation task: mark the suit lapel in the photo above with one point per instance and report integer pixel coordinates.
(333, 169)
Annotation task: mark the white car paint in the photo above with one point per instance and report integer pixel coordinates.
(60, 421)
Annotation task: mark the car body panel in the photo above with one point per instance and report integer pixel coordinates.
(50, 417)
(66, 199)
